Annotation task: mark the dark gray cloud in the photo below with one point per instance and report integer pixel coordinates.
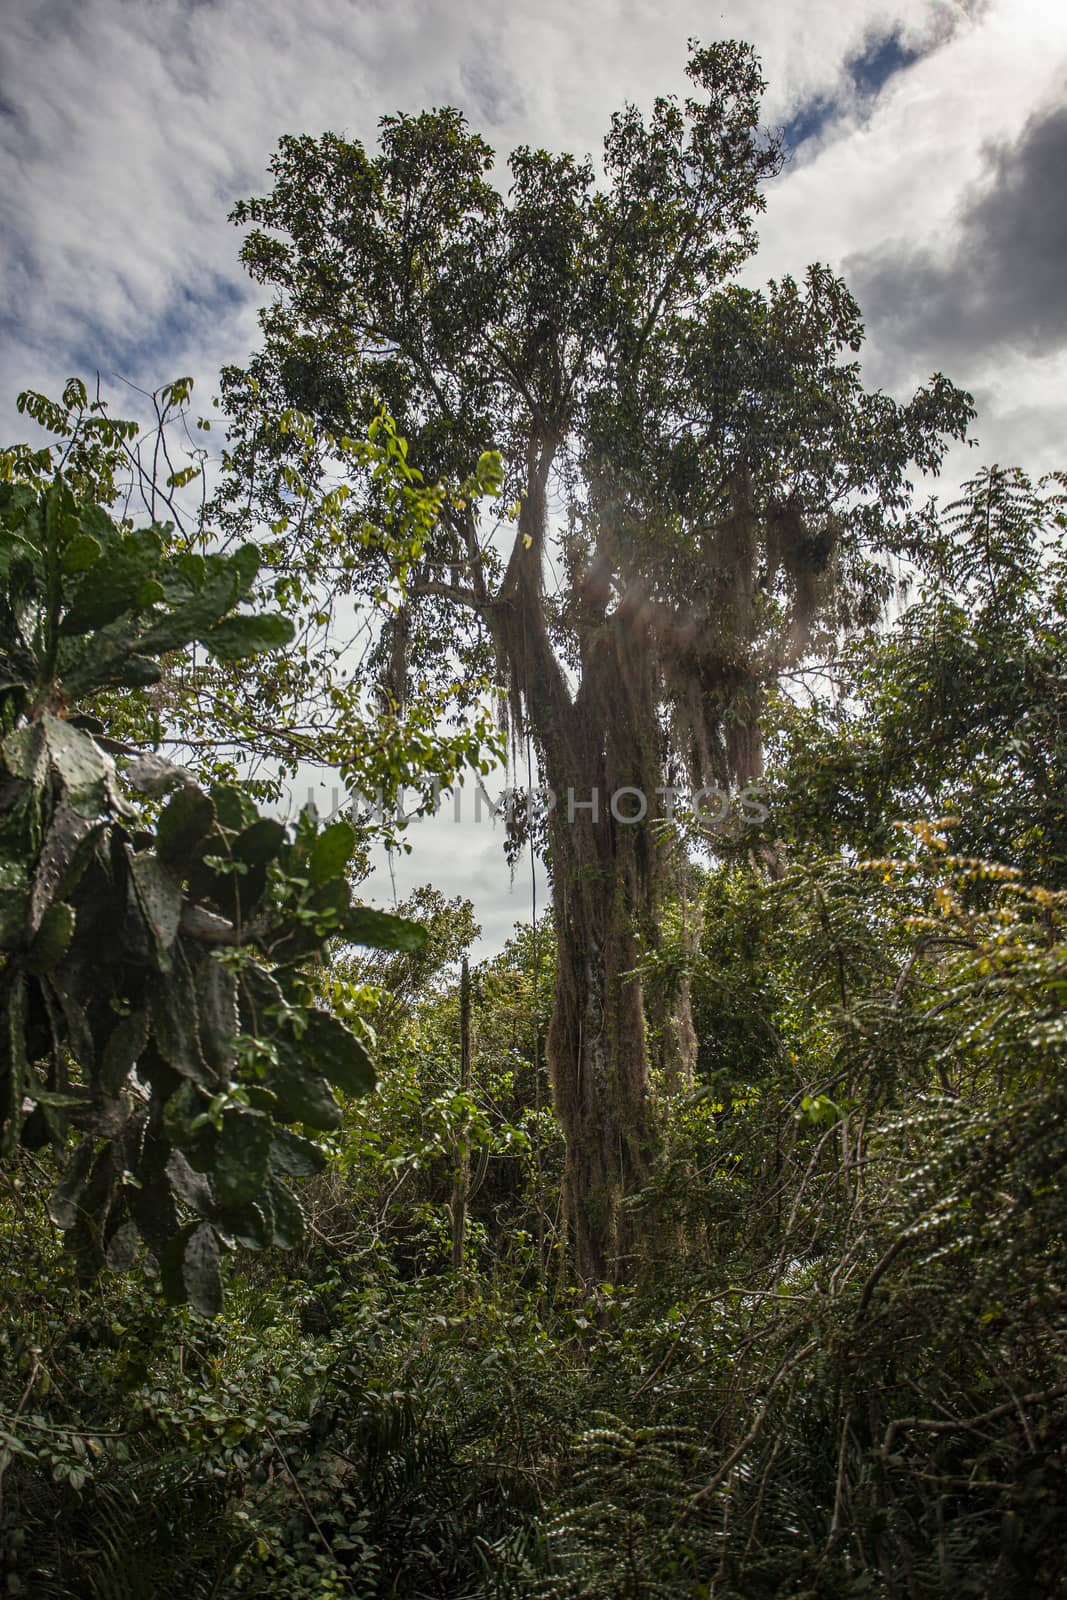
(999, 284)
(493, 91)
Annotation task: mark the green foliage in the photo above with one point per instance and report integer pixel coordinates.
(95, 449)
(958, 709)
(251, 1457)
(345, 570)
(856, 1392)
(155, 1015)
(90, 605)
(244, 704)
(389, 1187)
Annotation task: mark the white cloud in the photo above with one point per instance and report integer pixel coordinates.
(466, 858)
(129, 129)
(899, 180)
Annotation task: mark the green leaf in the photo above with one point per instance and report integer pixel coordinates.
(294, 1156)
(192, 1188)
(245, 563)
(112, 584)
(332, 851)
(189, 1269)
(19, 559)
(240, 637)
(171, 1276)
(194, 617)
(216, 994)
(81, 765)
(52, 939)
(241, 1156)
(121, 1249)
(25, 753)
(137, 672)
(329, 902)
(74, 1099)
(95, 1201)
(380, 930)
(190, 1126)
(288, 1217)
(63, 855)
(159, 895)
(151, 1200)
(90, 663)
(81, 553)
(175, 1023)
(262, 1001)
(79, 1033)
(186, 818)
(303, 1095)
(333, 1049)
(122, 1051)
(94, 520)
(64, 1207)
(234, 875)
(260, 843)
(232, 806)
(152, 775)
(252, 1225)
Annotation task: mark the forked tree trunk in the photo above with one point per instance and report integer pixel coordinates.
(607, 878)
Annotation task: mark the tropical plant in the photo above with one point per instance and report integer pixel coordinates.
(156, 1019)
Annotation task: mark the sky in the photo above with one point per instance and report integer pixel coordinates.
(928, 164)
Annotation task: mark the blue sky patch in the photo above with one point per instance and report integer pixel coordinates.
(867, 74)
(883, 58)
(809, 119)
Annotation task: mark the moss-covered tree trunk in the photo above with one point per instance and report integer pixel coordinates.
(600, 758)
(597, 1046)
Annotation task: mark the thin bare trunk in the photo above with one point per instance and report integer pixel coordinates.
(462, 1181)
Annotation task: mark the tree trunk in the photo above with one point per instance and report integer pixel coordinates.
(597, 1053)
(600, 754)
(461, 1182)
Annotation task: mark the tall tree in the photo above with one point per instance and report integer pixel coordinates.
(723, 482)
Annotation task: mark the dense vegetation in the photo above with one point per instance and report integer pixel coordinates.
(296, 1299)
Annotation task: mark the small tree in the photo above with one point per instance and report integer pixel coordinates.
(958, 709)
